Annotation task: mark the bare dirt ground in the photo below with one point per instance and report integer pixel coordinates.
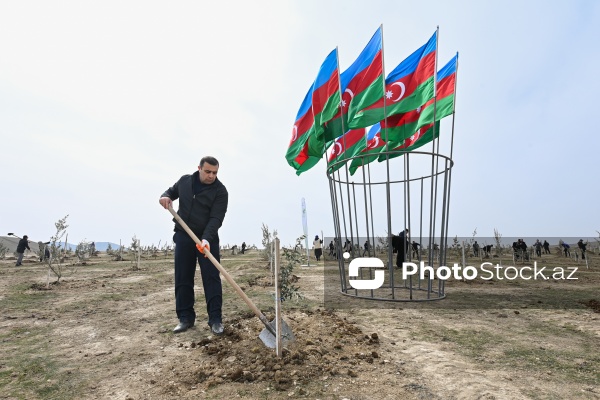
(104, 332)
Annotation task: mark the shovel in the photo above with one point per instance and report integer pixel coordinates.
(269, 334)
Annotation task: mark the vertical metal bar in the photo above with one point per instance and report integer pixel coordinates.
(337, 230)
(371, 207)
(431, 224)
(278, 344)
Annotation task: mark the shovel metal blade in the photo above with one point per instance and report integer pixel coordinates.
(269, 339)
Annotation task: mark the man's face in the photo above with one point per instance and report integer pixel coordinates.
(208, 173)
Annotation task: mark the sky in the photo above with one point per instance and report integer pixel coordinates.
(104, 105)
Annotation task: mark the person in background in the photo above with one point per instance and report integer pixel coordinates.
(366, 248)
(566, 249)
(243, 247)
(582, 246)
(202, 206)
(400, 243)
(347, 247)
(318, 246)
(21, 246)
(546, 247)
(45, 253)
(538, 248)
(415, 250)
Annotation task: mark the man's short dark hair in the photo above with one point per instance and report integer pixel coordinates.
(208, 159)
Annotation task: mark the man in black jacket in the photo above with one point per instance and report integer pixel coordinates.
(582, 246)
(401, 245)
(21, 246)
(202, 205)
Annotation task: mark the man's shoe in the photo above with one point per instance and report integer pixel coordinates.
(217, 328)
(183, 326)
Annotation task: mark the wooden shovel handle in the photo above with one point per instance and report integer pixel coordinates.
(222, 270)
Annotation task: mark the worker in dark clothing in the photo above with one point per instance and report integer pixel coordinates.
(21, 246)
(582, 246)
(202, 206)
(400, 244)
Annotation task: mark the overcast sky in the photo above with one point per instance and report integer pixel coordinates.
(103, 105)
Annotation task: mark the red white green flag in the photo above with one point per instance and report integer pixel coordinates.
(399, 127)
(375, 145)
(421, 137)
(407, 87)
(346, 147)
(360, 86)
(306, 146)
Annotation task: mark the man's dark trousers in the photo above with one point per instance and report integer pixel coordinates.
(186, 256)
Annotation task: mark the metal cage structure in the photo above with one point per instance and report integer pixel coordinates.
(404, 190)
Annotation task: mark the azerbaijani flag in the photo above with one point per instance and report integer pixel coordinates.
(308, 119)
(303, 128)
(444, 95)
(375, 145)
(360, 85)
(421, 137)
(407, 87)
(326, 93)
(399, 127)
(366, 85)
(304, 160)
(346, 147)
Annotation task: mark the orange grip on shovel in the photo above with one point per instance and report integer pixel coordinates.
(199, 247)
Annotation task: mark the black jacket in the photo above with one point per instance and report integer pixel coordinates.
(204, 212)
(23, 244)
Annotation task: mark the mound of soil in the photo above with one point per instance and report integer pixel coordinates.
(319, 353)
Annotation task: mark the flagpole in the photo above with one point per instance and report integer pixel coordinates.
(347, 158)
(451, 149)
(347, 177)
(332, 188)
(371, 207)
(387, 183)
(431, 203)
(366, 202)
(332, 194)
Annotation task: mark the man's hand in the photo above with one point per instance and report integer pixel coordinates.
(165, 202)
(203, 247)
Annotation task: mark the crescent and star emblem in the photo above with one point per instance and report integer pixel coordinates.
(343, 102)
(375, 143)
(402, 90)
(294, 133)
(337, 152)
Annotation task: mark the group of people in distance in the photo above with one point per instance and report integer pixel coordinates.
(24, 244)
(334, 248)
(401, 245)
(520, 247)
(580, 244)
